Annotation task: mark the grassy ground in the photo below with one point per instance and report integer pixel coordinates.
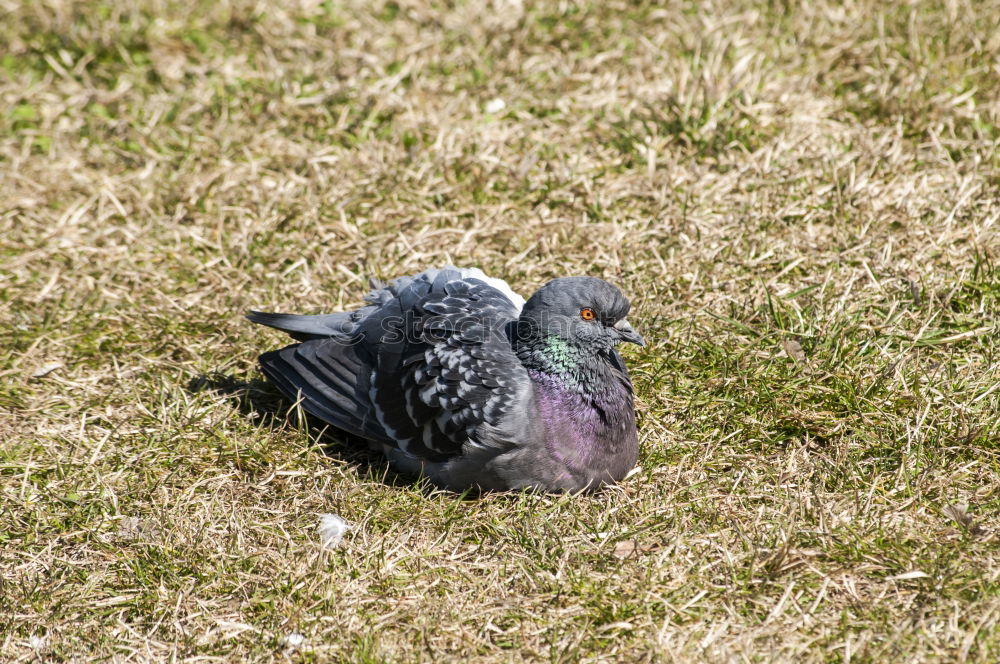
(802, 202)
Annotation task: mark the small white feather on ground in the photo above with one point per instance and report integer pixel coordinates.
(495, 105)
(46, 369)
(331, 530)
(292, 641)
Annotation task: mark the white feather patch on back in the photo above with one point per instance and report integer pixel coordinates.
(499, 284)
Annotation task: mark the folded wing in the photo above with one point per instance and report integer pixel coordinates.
(426, 366)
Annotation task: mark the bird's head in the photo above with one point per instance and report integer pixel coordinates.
(585, 312)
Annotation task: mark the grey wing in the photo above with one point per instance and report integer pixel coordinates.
(449, 370)
(328, 379)
(423, 367)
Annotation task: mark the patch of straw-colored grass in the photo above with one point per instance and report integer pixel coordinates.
(801, 201)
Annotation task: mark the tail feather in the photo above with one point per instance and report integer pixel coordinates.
(304, 328)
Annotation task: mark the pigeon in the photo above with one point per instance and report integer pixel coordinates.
(456, 378)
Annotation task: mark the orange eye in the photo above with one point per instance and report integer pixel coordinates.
(587, 314)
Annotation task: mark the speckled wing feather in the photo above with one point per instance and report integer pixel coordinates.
(423, 367)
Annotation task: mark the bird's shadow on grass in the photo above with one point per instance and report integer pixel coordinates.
(257, 400)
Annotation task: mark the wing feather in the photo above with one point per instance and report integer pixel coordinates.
(426, 366)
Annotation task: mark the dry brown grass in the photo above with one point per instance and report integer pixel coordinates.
(801, 201)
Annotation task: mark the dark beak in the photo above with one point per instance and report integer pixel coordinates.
(626, 333)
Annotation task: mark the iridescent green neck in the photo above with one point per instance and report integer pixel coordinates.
(561, 354)
(559, 358)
